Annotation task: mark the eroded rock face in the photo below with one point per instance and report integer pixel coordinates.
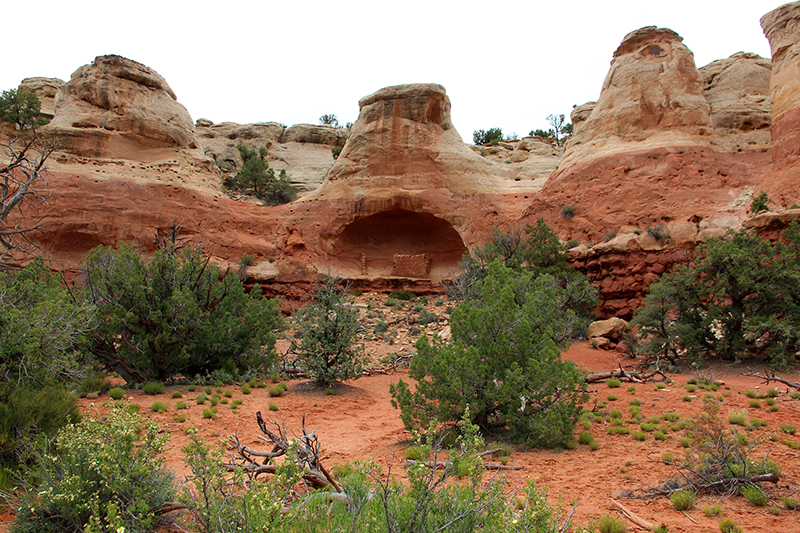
(782, 28)
(652, 93)
(304, 151)
(403, 185)
(115, 107)
(45, 90)
(737, 89)
(404, 140)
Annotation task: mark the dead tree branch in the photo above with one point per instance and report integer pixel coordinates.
(770, 376)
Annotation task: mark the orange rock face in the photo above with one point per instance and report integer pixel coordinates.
(668, 155)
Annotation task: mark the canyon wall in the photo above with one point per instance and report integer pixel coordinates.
(668, 155)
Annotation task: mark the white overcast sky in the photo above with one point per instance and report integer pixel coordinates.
(504, 64)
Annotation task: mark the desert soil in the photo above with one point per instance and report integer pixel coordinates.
(358, 421)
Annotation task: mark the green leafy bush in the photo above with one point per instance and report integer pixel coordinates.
(175, 314)
(104, 474)
(760, 203)
(613, 383)
(328, 328)
(727, 525)
(755, 496)
(257, 177)
(503, 367)
(42, 328)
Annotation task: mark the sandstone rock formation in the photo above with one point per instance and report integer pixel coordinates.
(304, 151)
(116, 102)
(737, 89)
(782, 28)
(45, 89)
(116, 117)
(652, 93)
(404, 185)
(667, 155)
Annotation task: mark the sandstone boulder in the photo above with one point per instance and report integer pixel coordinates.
(612, 328)
(309, 133)
(580, 113)
(116, 107)
(737, 89)
(45, 89)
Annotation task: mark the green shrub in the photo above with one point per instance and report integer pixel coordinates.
(209, 412)
(28, 415)
(41, 329)
(612, 398)
(491, 136)
(328, 331)
(180, 417)
(159, 407)
(789, 503)
(727, 525)
(97, 382)
(659, 386)
(640, 436)
(613, 383)
(755, 404)
(702, 310)
(585, 437)
(177, 394)
(106, 474)
(228, 393)
(660, 435)
(794, 395)
(503, 351)
(116, 393)
(192, 387)
(202, 399)
(181, 405)
(275, 391)
(690, 388)
(593, 445)
(245, 389)
(789, 429)
(755, 496)
(711, 510)
(153, 387)
(178, 313)
(682, 499)
(273, 407)
(611, 524)
(760, 203)
(738, 417)
(567, 212)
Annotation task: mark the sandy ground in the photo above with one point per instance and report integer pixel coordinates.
(358, 421)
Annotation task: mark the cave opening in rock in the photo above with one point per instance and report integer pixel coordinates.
(399, 243)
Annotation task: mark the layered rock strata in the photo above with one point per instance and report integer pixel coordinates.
(782, 28)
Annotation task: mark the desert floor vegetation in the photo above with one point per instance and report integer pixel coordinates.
(357, 423)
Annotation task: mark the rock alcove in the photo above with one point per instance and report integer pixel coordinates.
(399, 244)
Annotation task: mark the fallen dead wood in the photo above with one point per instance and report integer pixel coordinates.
(633, 517)
(306, 451)
(625, 375)
(715, 486)
(770, 376)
